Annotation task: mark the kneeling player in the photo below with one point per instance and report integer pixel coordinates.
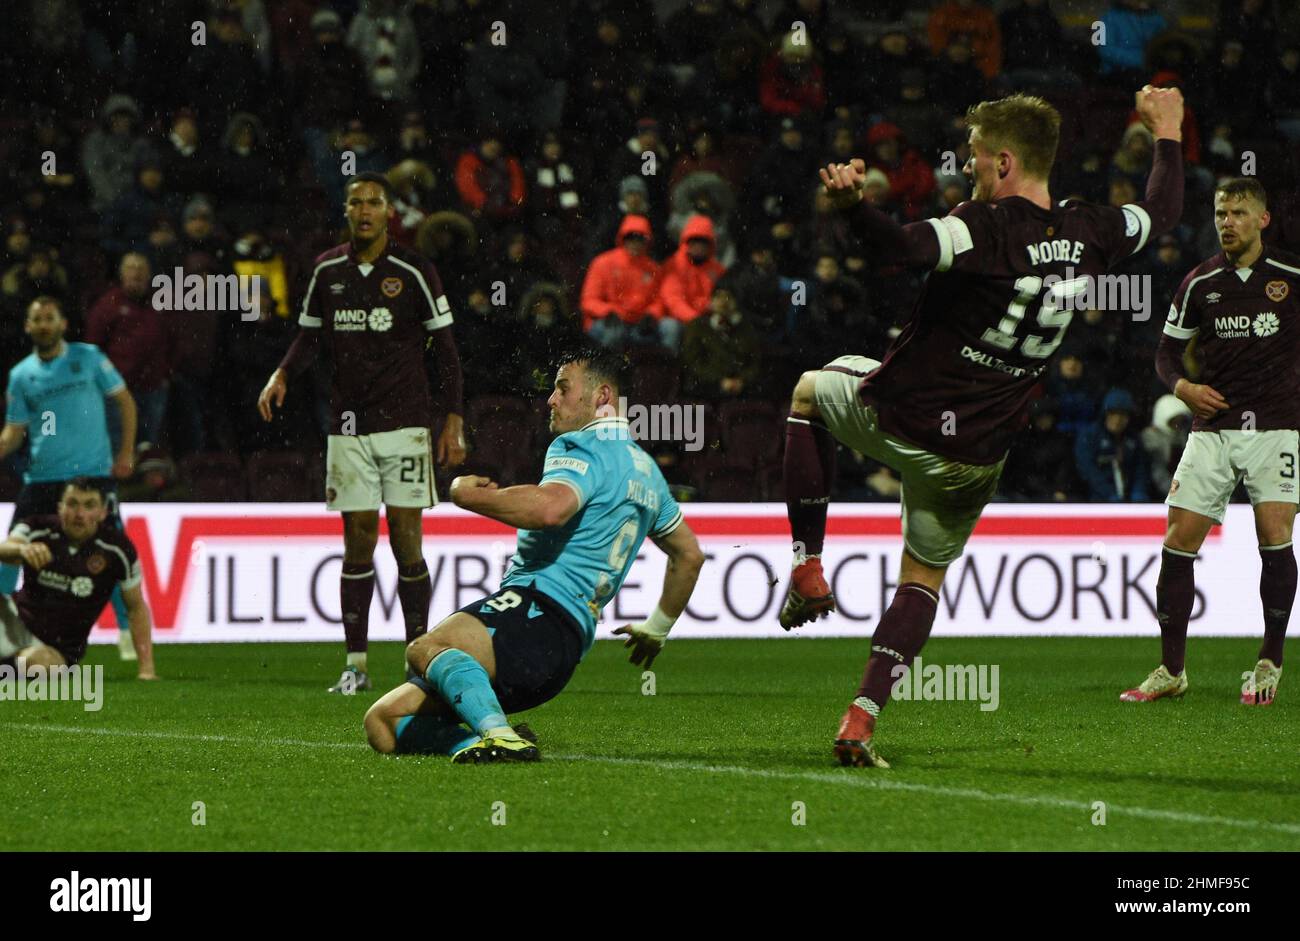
(71, 564)
(580, 529)
(1244, 429)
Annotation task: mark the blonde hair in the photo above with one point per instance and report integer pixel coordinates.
(1026, 125)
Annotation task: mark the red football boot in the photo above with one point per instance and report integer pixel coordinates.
(808, 597)
(853, 745)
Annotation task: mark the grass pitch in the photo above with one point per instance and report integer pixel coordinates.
(732, 753)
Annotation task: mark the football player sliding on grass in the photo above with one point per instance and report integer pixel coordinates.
(580, 529)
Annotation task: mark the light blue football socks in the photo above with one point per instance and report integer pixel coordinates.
(464, 685)
(432, 735)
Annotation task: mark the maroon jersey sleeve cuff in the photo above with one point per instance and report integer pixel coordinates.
(1169, 360)
(892, 244)
(302, 352)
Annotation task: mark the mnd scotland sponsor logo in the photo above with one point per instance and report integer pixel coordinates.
(952, 683)
(82, 683)
(77, 894)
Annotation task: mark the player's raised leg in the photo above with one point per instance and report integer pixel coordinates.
(1274, 523)
(903, 631)
(457, 661)
(356, 588)
(1175, 593)
(809, 472)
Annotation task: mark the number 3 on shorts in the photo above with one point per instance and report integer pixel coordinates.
(504, 601)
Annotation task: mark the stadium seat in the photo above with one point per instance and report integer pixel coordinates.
(214, 477)
(752, 434)
(279, 477)
(722, 484)
(488, 407)
(502, 440)
(9, 487)
(654, 375)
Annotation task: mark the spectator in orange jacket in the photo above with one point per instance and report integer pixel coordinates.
(491, 182)
(619, 294)
(973, 19)
(688, 279)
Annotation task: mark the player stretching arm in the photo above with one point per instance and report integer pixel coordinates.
(942, 406)
(579, 531)
(1242, 305)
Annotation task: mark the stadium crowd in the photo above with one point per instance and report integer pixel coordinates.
(598, 166)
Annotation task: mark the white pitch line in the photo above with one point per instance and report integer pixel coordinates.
(870, 780)
(181, 736)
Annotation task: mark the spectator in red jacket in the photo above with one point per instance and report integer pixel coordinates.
(1190, 129)
(911, 179)
(968, 18)
(124, 324)
(688, 278)
(490, 181)
(790, 83)
(619, 294)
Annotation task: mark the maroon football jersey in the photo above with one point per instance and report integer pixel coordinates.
(1246, 322)
(60, 603)
(1010, 276)
(376, 318)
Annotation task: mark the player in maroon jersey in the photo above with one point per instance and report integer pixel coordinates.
(1242, 307)
(381, 305)
(71, 564)
(954, 386)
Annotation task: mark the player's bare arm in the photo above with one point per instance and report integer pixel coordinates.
(685, 559)
(21, 552)
(451, 443)
(526, 506)
(124, 460)
(11, 438)
(272, 394)
(1203, 400)
(141, 631)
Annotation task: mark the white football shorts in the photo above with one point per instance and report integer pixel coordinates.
(390, 467)
(1214, 461)
(941, 499)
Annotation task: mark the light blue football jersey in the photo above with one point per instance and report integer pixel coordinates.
(61, 401)
(622, 498)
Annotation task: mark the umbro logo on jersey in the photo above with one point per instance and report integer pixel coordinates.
(1213, 297)
(337, 288)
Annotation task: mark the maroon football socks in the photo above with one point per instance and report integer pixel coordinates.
(1175, 592)
(356, 587)
(1277, 578)
(902, 633)
(809, 471)
(414, 592)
